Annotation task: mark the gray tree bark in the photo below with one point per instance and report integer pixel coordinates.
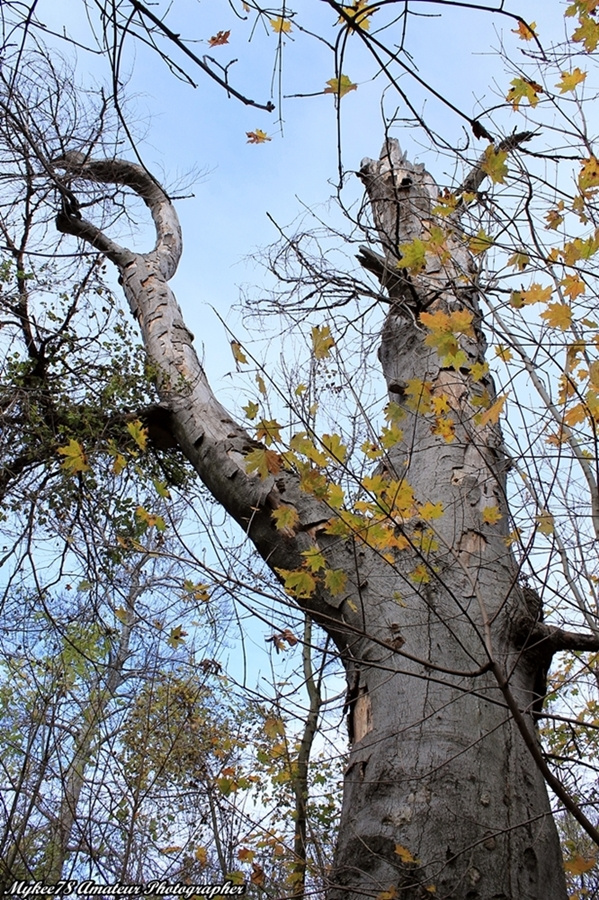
(443, 790)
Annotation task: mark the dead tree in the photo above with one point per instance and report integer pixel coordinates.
(445, 784)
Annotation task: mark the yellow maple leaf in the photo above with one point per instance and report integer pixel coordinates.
(503, 352)
(478, 370)
(280, 25)
(322, 342)
(491, 515)
(525, 32)
(429, 511)
(545, 522)
(335, 581)
(75, 459)
(580, 864)
(554, 218)
(405, 855)
(558, 315)
(587, 33)
(334, 447)
(413, 256)
(340, 86)
(522, 89)
(440, 404)
(257, 137)
(519, 260)
(569, 80)
(445, 428)
(491, 416)
(238, 353)
(481, 242)
(261, 384)
(264, 462)
(201, 854)
(573, 286)
(589, 174)
(299, 582)
(138, 433)
(251, 410)
(268, 430)
(389, 894)
(536, 293)
(594, 373)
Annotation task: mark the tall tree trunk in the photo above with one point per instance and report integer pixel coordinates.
(439, 771)
(441, 645)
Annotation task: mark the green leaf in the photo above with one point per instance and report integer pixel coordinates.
(298, 582)
(314, 559)
(413, 256)
(177, 637)
(335, 581)
(251, 410)
(286, 518)
(494, 164)
(340, 86)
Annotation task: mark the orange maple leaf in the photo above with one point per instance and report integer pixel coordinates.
(257, 137)
(221, 37)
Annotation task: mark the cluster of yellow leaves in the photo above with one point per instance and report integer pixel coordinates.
(302, 583)
(587, 32)
(580, 400)
(75, 459)
(444, 328)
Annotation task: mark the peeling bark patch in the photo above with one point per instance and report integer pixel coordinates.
(472, 543)
(453, 385)
(362, 715)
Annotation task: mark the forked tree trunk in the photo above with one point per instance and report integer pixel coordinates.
(442, 796)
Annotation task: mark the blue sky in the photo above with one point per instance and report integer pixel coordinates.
(199, 130)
